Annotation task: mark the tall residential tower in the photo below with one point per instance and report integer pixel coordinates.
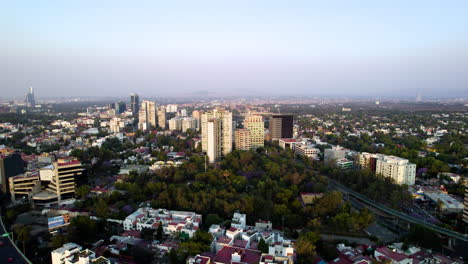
(255, 124)
(147, 116)
(216, 127)
(162, 116)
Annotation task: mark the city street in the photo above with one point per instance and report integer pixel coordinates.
(7, 250)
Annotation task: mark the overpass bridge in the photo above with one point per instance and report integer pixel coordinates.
(443, 231)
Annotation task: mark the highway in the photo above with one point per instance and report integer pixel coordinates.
(9, 250)
(401, 215)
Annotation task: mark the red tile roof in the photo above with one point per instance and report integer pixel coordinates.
(391, 255)
(240, 243)
(224, 240)
(247, 255)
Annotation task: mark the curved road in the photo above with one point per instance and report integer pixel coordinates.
(401, 215)
(9, 250)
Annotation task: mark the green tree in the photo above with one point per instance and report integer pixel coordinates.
(212, 219)
(59, 240)
(423, 237)
(23, 235)
(147, 234)
(82, 191)
(263, 246)
(305, 247)
(159, 232)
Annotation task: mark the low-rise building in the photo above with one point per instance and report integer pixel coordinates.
(71, 253)
(384, 253)
(345, 164)
(284, 249)
(334, 154)
(239, 221)
(306, 150)
(172, 221)
(263, 225)
(288, 143)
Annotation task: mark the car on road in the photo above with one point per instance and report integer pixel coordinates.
(1, 243)
(10, 259)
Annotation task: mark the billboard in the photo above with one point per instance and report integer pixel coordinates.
(58, 221)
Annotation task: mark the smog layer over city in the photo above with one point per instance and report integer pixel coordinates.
(234, 132)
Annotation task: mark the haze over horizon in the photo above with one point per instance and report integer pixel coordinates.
(179, 48)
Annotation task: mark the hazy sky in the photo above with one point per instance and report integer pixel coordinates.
(183, 48)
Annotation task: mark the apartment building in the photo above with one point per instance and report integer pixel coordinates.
(162, 117)
(216, 128)
(189, 123)
(147, 115)
(115, 124)
(399, 169)
(175, 124)
(243, 139)
(255, 124)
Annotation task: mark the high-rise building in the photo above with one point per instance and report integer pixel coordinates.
(197, 114)
(115, 124)
(120, 107)
(10, 165)
(175, 123)
(212, 139)
(147, 115)
(220, 123)
(399, 169)
(183, 112)
(189, 123)
(135, 104)
(30, 101)
(162, 117)
(171, 108)
(281, 126)
(255, 124)
(243, 139)
(183, 124)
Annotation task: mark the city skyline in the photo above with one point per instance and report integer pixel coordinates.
(231, 49)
